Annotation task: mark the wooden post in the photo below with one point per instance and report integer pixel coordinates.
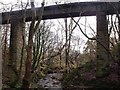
(16, 43)
(102, 45)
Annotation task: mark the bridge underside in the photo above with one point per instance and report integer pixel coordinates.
(65, 10)
(99, 9)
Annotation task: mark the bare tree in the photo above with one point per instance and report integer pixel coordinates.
(32, 30)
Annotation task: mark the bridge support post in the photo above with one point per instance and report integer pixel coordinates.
(16, 44)
(102, 49)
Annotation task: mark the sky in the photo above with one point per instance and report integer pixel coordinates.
(90, 20)
(49, 1)
(53, 1)
(9, 3)
(82, 21)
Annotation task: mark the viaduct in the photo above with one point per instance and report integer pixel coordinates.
(98, 9)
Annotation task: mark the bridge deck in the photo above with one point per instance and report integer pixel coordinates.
(66, 10)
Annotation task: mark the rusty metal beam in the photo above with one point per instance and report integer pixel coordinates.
(66, 10)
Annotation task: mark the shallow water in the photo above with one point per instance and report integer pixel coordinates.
(51, 81)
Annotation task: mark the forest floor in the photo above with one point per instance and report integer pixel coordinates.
(81, 77)
(85, 77)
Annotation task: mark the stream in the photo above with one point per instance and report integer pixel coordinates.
(51, 81)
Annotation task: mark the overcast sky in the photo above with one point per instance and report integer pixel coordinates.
(90, 20)
(53, 1)
(38, 2)
(49, 1)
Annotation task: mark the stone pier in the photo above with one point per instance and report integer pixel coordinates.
(102, 48)
(16, 44)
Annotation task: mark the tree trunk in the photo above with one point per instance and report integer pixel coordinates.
(118, 44)
(32, 30)
(1, 65)
(66, 47)
(27, 76)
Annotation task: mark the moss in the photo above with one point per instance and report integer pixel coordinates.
(76, 77)
(101, 83)
(102, 72)
(119, 54)
(72, 78)
(13, 78)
